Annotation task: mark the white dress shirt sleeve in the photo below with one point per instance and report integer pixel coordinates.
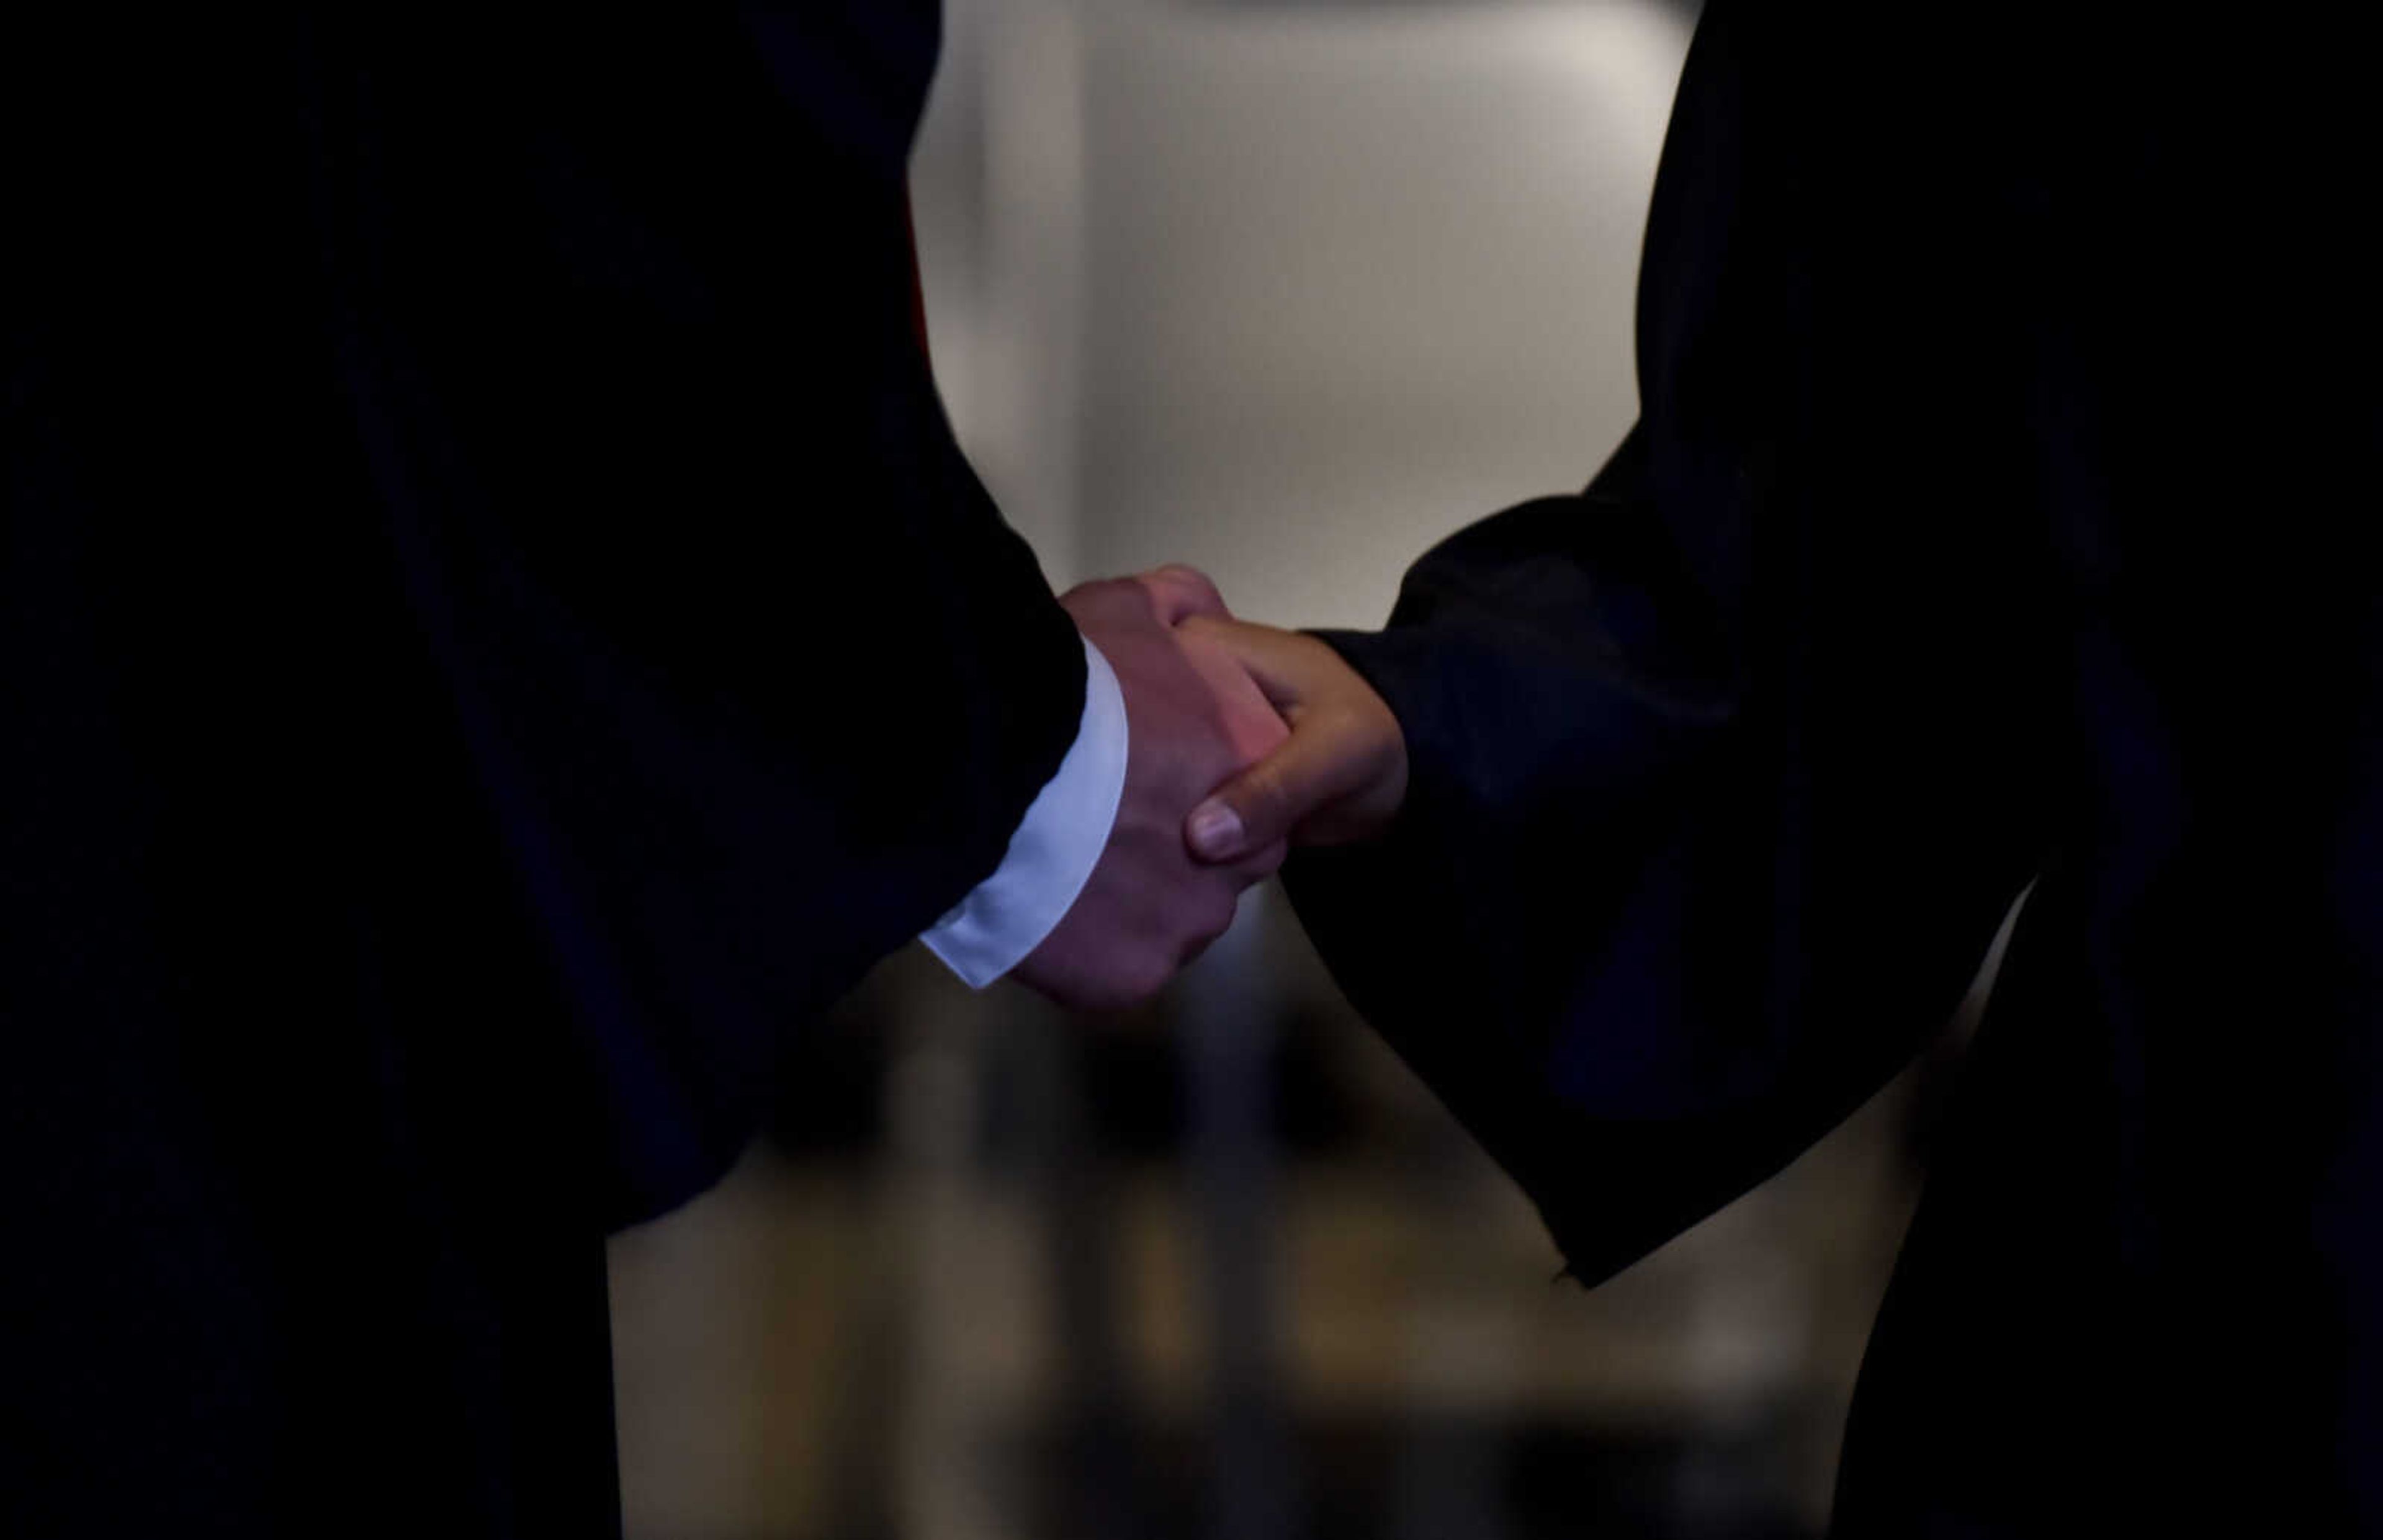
(1054, 850)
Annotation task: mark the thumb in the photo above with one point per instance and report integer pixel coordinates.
(1318, 764)
(1345, 759)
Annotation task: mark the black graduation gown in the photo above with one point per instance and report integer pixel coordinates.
(1995, 513)
(494, 633)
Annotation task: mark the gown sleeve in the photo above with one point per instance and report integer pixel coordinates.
(1725, 770)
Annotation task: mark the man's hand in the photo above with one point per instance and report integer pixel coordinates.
(1193, 717)
(1341, 774)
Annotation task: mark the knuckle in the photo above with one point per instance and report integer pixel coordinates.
(1181, 593)
(1207, 914)
(1187, 574)
(1129, 984)
(1216, 913)
(1150, 977)
(1266, 794)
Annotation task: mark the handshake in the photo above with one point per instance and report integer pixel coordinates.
(1244, 740)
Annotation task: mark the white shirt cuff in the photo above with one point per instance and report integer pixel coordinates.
(1053, 851)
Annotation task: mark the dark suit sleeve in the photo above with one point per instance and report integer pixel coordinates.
(754, 681)
(1725, 770)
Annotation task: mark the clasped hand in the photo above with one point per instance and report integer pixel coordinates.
(1243, 741)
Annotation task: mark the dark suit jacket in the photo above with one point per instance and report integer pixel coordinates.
(494, 633)
(2007, 438)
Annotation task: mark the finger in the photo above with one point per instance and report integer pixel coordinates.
(1255, 865)
(1251, 724)
(1289, 667)
(1328, 757)
(1179, 591)
(1113, 601)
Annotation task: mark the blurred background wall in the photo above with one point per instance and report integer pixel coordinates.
(1289, 291)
